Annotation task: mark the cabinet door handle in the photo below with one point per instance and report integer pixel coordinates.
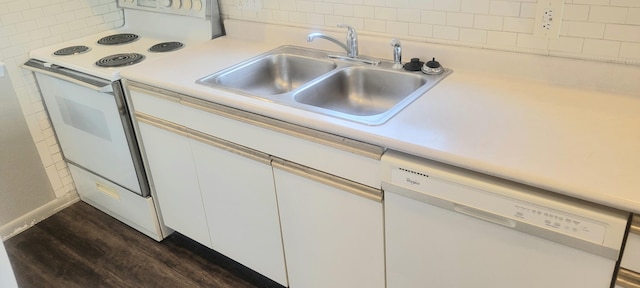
(628, 279)
(328, 179)
(204, 138)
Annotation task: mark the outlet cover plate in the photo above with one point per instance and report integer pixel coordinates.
(548, 18)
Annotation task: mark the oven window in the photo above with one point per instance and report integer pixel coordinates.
(84, 118)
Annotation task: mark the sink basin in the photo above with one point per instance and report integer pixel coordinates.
(272, 74)
(312, 80)
(361, 91)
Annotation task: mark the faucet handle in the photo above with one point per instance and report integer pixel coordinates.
(346, 26)
(352, 40)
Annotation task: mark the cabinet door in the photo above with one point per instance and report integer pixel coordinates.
(174, 181)
(241, 207)
(332, 238)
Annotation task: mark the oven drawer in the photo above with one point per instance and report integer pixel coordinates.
(122, 204)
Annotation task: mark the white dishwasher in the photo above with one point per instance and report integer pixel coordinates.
(449, 227)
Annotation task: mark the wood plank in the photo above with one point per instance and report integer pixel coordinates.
(83, 247)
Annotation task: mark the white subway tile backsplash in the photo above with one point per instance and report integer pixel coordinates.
(409, 15)
(398, 3)
(488, 22)
(421, 30)
(460, 19)
(397, 28)
(421, 4)
(504, 8)
(384, 13)
(625, 3)
(628, 33)
(364, 12)
(375, 25)
(473, 35)
(522, 25)
(528, 10)
(592, 2)
(323, 8)
(584, 29)
(446, 32)
(601, 48)
(304, 6)
(630, 50)
(475, 6)
(576, 12)
(343, 10)
(606, 14)
(447, 5)
(566, 44)
(504, 39)
(633, 17)
(529, 41)
(433, 17)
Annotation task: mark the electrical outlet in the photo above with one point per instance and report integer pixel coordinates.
(250, 5)
(548, 18)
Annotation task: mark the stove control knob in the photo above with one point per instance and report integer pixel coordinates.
(197, 5)
(186, 4)
(166, 3)
(176, 4)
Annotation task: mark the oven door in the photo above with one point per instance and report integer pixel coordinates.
(89, 127)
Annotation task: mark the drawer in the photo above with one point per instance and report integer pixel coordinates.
(134, 210)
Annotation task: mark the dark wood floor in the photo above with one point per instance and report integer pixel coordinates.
(83, 247)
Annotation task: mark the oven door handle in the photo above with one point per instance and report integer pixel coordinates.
(76, 77)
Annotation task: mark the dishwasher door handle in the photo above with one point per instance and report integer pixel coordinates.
(484, 215)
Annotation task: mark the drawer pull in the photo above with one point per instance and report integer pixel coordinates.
(107, 191)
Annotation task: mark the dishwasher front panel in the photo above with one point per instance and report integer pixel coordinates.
(428, 246)
(449, 227)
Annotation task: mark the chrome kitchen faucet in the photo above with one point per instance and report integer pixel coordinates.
(351, 45)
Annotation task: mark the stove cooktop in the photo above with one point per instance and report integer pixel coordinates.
(103, 55)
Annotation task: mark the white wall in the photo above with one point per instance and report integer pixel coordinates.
(604, 30)
(29, 24)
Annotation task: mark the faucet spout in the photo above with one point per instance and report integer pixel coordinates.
(313, 36)
(351, 45)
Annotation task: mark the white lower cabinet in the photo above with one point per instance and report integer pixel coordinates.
(241, 207)
(174, 180)
(297, 226)
(332, 238)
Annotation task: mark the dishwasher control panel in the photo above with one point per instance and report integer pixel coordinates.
(508, 207)
(565, 223)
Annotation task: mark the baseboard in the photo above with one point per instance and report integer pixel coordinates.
(32, 218)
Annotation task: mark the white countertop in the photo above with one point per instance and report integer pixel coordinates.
(567, 133)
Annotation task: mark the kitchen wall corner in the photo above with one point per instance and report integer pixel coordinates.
(26, 25)
(602, 30)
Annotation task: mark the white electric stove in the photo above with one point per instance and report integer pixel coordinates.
(80, 85)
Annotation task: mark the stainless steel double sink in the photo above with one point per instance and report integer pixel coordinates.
(308, 79)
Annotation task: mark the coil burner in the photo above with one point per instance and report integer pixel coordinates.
(117, 39)
(119, 60)
(166, 47)
(72, 50)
